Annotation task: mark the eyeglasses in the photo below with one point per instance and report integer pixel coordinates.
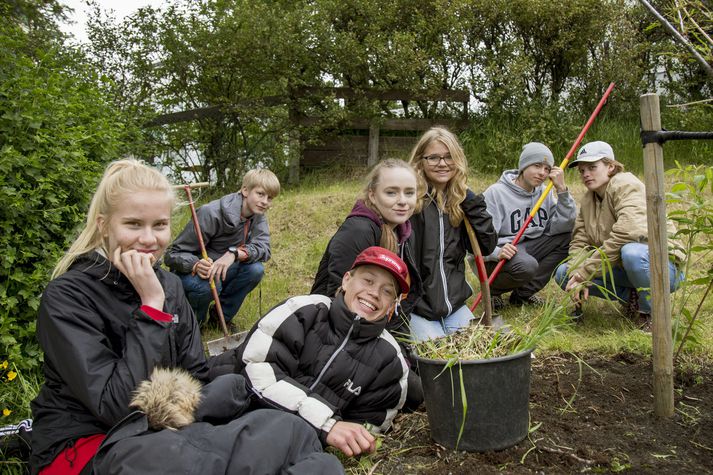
(435, 159)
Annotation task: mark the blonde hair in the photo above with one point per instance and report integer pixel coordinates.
(120, 177)
(263, 178)
(388, 238)
(450, 199)
(618, 166)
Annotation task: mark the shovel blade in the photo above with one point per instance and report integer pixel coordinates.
(221, 345)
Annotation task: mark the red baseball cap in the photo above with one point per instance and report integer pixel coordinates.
(378, 256)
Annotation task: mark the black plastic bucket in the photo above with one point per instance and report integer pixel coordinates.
(497, 393)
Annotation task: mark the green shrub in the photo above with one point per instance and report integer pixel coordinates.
(56, 133)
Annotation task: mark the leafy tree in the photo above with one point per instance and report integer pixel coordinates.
(234, 57)
(56, 132)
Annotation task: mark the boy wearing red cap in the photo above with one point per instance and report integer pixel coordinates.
(331, 360)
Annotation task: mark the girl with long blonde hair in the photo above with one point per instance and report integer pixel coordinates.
(380, 217)
(440, 239)
(123, 358)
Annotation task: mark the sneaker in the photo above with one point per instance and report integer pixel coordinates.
(232, 327)
(533, 300)
(643, 322)
(631, 306)
(497, 302)
(213, 315)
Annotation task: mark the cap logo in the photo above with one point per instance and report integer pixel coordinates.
(390, 261)
(583, 151)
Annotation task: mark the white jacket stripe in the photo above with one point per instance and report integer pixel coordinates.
(262, 375)
(403, 382)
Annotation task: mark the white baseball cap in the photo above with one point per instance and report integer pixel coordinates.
(592, 152)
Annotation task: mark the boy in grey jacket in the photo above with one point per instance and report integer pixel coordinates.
(237, 240)
(545, 243)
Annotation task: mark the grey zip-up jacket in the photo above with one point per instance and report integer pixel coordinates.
(222, 227)
(509, 205)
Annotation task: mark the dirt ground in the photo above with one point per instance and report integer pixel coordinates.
(595, 417)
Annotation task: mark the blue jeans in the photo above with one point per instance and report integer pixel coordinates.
(423, 329)
(632, 274)
(239, 281)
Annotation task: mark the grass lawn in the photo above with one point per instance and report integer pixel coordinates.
(303, 220)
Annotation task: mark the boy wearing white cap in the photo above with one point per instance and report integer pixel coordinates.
(545, 243)
(612, 218)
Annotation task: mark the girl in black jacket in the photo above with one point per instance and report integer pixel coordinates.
(107, 320)
(439, 236)
(380, 217)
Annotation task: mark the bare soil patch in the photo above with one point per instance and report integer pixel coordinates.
(589, 415)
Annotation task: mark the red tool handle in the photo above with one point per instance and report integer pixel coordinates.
(563, 165)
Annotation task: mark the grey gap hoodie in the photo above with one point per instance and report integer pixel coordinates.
(509, 205)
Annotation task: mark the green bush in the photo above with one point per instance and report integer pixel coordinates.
(56, 133)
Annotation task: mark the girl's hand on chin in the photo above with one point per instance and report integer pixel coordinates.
(138, 268)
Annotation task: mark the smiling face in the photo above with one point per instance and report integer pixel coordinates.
(140, 222)
(369, 291)
(439, 174)
(394, 196)
(533, 176)
(595, 175)
(255, 201)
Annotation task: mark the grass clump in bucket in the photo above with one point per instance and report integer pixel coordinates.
(481, 342)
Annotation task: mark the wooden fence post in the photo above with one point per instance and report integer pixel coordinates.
(294, 147)
(658, 258)
(373, 144)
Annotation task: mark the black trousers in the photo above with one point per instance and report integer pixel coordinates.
(265, 441)
(532, 266)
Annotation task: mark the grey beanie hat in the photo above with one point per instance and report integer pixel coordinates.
(535, 152)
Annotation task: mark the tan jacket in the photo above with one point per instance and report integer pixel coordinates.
(609, 223)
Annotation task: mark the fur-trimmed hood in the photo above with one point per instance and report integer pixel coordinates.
(169, 398)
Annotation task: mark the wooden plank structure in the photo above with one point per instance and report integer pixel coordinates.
(360, 140)
(658, 257)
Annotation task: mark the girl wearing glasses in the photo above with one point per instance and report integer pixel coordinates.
(439, 236)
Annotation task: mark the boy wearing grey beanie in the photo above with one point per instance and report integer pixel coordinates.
(545, 243)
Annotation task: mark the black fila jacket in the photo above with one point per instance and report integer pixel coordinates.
(311, 356)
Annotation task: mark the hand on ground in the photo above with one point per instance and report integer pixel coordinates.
(576, 283)
(351, 438)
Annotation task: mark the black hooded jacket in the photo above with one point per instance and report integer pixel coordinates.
(99, 345)
(311, 356)
(440, 251)
(362, 229)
